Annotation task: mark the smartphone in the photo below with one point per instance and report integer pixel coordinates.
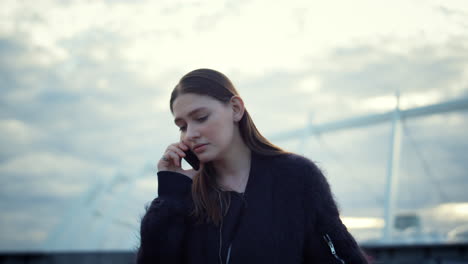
(192, 159)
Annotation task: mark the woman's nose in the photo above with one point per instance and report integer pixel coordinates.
(192, 133)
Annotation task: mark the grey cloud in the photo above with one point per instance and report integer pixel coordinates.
(422, 69)
(452, 12)
(352, 74)
(108, 126)
(61, 104)
(66, 103)
(356, 160)
(206, 22)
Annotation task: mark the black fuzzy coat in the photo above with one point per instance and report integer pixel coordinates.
(289, 216)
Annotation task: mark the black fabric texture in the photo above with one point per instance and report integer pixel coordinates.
(286, 209)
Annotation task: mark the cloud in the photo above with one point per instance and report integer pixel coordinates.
(17, 135)
(49, 174)
(85, 90)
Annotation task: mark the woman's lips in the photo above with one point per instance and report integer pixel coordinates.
(200, 148)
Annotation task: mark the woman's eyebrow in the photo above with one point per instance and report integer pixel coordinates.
(191, 113)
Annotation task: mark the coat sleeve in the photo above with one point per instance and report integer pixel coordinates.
(324, 226)
(163, 226)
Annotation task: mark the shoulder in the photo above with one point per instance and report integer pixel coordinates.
(307, 177)
(296, 166)
(293, 162)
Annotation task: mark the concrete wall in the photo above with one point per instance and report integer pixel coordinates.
(413, 254)
(419, 254)
(68, 258)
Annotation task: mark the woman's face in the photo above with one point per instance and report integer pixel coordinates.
(206, 125)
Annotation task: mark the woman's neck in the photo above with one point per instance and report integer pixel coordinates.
(233, 170)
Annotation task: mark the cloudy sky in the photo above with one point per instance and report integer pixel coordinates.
(85, 88)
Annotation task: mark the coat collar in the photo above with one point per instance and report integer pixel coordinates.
(257, 223)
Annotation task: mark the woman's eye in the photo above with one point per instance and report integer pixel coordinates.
(201, 119)
(182, 128)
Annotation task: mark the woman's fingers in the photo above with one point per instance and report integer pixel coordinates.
(171, 159)
(175, 158)
(176, 150)
(183, 146)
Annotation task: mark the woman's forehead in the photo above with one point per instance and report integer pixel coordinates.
(184, 104)
(187, 100)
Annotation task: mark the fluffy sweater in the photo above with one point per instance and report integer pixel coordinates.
(290, 217)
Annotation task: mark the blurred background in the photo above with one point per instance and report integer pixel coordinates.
(84, 109)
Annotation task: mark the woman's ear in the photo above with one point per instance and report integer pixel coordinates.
(238, 108)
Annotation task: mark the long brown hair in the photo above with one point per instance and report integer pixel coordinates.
(208, 198)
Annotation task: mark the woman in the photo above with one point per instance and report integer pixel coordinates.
(249, 202)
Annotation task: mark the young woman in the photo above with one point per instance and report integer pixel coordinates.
(249, 202)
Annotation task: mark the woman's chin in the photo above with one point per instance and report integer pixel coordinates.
(204, 157)
(204, 160)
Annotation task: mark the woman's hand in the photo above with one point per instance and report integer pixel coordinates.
(171, 160)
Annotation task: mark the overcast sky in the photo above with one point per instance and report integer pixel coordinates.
(85, 90)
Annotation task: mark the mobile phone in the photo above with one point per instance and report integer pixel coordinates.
(192, 159)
